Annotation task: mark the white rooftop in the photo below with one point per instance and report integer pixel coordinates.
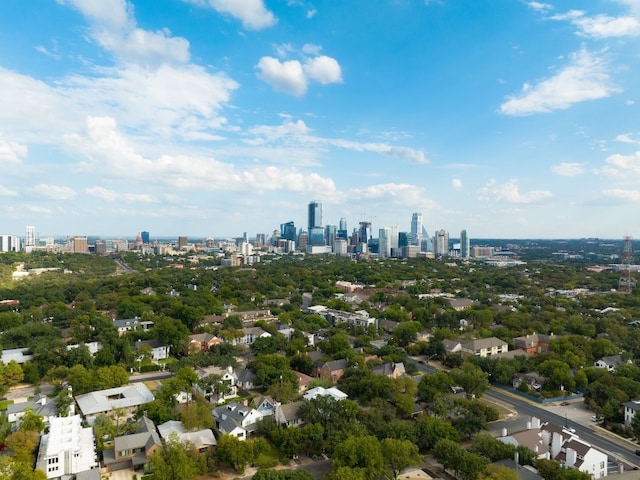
(119, 397)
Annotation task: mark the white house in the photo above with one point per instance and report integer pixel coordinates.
(250, 335)
(40, 405)
(630, 409)
(68, 449)
(159, 351)
(227, 375)
(333, 392)
(553, 442)
(202, 440)
(236, 419)
(609, 363)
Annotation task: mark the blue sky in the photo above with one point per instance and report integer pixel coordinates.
(511, 119)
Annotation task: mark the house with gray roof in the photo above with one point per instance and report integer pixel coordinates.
(203, 440)
(236, 419)
(133, 450)
(610, 363)
(40, 405)
(288, 415)
(484, 347)
(128, 397)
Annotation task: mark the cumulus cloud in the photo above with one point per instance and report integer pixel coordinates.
(54, 192)
(104, 146)
(323, 70)
(601, 26)
(568, 169)
(628, 195)
(510, 192)
(114, 29)
(389, 192)
(7, 192)
(622, 167)
(585, 78)
(457, 183)
(253, 14)
(287, 77)
(12, 152)
(293, 76)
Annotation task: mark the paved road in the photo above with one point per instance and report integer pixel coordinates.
(616, 448)
(145, 377)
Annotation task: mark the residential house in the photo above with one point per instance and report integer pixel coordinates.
(203, 440)
(250, 335)
(129, 324)
(133, 450)
(264, 404)
(459, 304)
(630, 409)
(202, 342)
(236, 419)
(387, 325)
(534, 381)
(610, 363)
(331, 370)
(288, 414)
(159, 351)
(128, 398)
(247, 379)
(40, 405)
(333, 392)
(389, 369)
(553, 442)
(451, 346)
(533, 343)
(67, 449)
(303, 381)
(17, 355)
(484, 347)
(227, 375)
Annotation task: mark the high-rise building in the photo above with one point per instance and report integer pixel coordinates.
(426, 244)
(288, 231)
(303, 241)
(145, 237)
(416, 228)
(9, 243)
(315, 215)
(182, 242)
(364, 232)
(384, 242)
(441, 243)
(30, 239)
(465, 251)
(79, 244)
(330, 235)
(342, 229)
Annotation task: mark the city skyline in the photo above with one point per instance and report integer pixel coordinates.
(509, 119)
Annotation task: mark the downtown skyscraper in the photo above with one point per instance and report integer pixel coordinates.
(316, 230)
(416, 228)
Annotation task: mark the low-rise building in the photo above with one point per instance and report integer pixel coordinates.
(159, 351)
(202, 440)
(128, 398)
(133, 450)
(68, 449)
(484, 347)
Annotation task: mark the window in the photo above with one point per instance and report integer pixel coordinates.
(601, 465)
(52, 460)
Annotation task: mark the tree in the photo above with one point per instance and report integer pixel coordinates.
(364, 453)
(405, 333)
(175, 461)
(31, 421)
(399, 454)
(234, 452)
(470, 377)
(196, 415)
(430, 430)
(170, 332)
(23, 444)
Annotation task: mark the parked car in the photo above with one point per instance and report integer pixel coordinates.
(564, 404)
(638, 452)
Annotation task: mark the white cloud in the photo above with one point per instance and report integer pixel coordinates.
(287, 77)
(568, 169)
(388, 192)
(457, 183)
(105, 147)
(7, 192)
(54, 192)
(299, 133)
(585, 78)
(626, 138)
(114, 29)
(113, 196)
(252, 13)
(601, 26)
(540, 7)
(509, 192)
(12, 152)
(625, 168)
(628, 195)
(323, 70)
(311, 49)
